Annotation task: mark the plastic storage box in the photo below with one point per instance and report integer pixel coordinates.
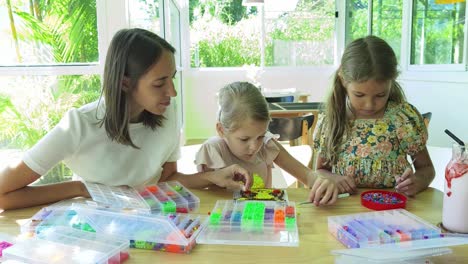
(67, 245)
(262, 223)
(165, 197)
(171, 233)
(380, 227)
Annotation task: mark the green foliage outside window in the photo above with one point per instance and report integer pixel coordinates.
(227, 34)
(47, 32)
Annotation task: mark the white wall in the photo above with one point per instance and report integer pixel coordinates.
(448, 101)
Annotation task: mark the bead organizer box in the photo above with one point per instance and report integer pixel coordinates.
(67, 245)
(381, 227)
(165, 197)
(171, 233)
(383, 200)
(262, 223)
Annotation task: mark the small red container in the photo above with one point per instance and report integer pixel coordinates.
(383, 200)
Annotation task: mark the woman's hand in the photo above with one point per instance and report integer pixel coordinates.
(324, 190)
(233, 177)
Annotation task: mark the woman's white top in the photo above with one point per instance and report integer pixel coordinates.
(85, 148)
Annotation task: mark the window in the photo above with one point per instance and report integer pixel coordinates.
(299, 33)
(434, 36)
(47, 33)
(31, 105)
(49, 60)
(379, 18)
(437, 32)
(145, 14)
(276, 33)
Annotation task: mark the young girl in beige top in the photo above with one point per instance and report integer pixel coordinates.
(243, 139)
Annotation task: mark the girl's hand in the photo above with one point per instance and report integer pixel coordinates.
(83, 190)
(345, 184)
(407, 183)
(233, 177)
(324, 191)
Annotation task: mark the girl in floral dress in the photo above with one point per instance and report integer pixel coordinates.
(368, 129)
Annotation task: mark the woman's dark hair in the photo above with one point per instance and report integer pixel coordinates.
(132, 52)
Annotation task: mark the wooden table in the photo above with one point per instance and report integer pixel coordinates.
(315, 240)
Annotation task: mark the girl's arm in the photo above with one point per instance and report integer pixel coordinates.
(345, 184)
(229, 177)
(412, 183)
(288, 163)
(15, 192)
(323, 190)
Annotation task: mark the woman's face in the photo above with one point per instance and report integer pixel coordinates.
(368, 99)
(155, 88)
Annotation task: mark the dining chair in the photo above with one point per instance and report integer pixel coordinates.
(292, 128)
(427, 118)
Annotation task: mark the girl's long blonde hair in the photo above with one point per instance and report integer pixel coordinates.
(368, 58)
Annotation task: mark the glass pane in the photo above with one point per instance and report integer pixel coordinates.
(437, 32)
(30, 106)
(387, 17)
(48, 32)
(357, 12)
(299, 33)
(145, 14)
(224, 34)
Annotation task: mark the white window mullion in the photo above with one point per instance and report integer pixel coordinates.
(340, 29)
(52, 70)
(465, 41)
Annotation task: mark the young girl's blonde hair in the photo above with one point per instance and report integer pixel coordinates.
(368, 58)
(240, 101)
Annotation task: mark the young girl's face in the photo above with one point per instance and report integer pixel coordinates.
(245, 141)
(155, 88)
(368, 99)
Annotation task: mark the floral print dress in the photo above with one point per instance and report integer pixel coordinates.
(375, 150)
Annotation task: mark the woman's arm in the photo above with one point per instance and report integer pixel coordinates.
(412, 183)
(15, 192)
(231, 177)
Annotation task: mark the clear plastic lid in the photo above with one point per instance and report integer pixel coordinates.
(165, 197)
(121, 197)
(263, 223)
(380, 227)
(172, 233)
(66, 245)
